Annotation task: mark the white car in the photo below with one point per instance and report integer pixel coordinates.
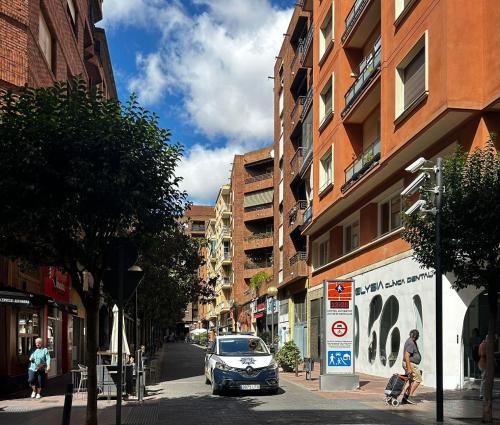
(240, 362)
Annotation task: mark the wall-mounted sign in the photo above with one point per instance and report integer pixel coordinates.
(339, 326)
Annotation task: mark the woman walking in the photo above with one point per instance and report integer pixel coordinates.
(39, 366)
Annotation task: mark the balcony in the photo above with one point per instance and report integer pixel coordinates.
(307, 103)
(252, 267)
(226, 211)
(360, 23)
(258, 240)
(226, 258)
(223, 307)
(198, 228)
(307, 215)
(226, 233)
(259, 178)
(298, 267)
(296, 215)
(306, 5)
(226, 283)
(306, 48)
(364, 163)
(296, 114)
(258, 211)
(213, 257)
(369, 70)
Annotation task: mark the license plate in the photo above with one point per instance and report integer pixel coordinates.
(250, 387)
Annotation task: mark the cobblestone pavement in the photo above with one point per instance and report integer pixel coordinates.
(183, 398)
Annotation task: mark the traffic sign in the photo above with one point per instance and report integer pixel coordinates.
(339, 328)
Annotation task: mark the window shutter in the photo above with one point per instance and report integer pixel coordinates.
(258, 198)
(414, 78)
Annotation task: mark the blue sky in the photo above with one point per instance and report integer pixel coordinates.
(202, 65)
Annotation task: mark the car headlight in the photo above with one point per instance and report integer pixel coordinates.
(223, 366)
(273, 365)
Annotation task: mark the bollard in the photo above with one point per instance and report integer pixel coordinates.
(68, 401)
(296, 367)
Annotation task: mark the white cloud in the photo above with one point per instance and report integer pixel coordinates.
(218, 62)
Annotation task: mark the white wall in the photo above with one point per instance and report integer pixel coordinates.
(404, 279)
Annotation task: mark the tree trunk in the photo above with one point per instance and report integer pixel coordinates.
(490, 353)
(92, 341)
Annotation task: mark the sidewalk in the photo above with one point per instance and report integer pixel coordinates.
(460, 406)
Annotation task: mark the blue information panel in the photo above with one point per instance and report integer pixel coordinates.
(339, 358)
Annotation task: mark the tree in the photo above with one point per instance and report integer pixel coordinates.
(76, 171)
(470, 234)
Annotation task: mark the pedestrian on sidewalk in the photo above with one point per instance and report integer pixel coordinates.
(38, 368)
(411, 360)
(483, 348)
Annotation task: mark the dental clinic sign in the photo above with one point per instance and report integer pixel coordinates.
(339, 326)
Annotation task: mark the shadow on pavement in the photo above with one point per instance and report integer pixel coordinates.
(55, 386)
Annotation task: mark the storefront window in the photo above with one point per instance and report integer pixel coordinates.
(375, 309)
(389, 318)
(356, 331)
(419, 322)
(395, 344)
(28, 330)
(372, 348)
(51, 336)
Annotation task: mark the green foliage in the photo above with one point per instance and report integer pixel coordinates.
(288, 356)
(258, 279)
(470, 224)
(200, 339)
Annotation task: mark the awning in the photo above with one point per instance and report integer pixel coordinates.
(258, 315)
(69, 308)
(260, 197)
(15, 298)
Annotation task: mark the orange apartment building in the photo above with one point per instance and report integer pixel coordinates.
(42, 41)
(376, 84)
(196, 222)
(252, 201)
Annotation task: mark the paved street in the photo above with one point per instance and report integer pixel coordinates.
(183, 398)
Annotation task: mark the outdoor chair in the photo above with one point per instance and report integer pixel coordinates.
(82, 385)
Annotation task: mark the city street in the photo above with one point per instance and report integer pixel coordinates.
(183, 398)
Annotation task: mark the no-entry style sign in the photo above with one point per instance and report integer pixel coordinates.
(339, 327)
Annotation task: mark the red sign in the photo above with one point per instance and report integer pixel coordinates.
(339, 304)
(56, 284)
(340, 291)
(339, 328)
(261, 306)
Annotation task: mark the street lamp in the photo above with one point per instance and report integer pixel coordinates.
(418, 206)
(272, 291)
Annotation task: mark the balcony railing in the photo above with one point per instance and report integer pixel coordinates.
(308, 157)
(295, 115)
(297, 161)
(294, 215)
(259, 177)
(353, 16)
(258, 207)
(308, 215)
(226, 232)
(300, 256)
(249, 264)
(307, 44)
(307, 103)
(257, 236)
(198, 228)
(369, 67)
(362, 164)
(226, 256)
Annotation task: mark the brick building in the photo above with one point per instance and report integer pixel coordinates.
(376, 84)
(196, 223)
(252, 201)
(42, 41)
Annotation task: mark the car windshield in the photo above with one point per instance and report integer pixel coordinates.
(243, 347)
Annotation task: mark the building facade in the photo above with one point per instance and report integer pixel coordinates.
(385, 83)
(252, 200)
(42, 42)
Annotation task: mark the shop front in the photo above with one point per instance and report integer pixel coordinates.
(260, 317)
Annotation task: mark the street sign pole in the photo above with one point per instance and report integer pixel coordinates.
(120, 337)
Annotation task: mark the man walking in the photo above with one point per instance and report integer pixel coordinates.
(411, 360)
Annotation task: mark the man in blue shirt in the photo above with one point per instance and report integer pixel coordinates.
(411, 360)
(39, 366)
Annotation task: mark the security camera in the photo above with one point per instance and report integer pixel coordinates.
(415, 207)
(415, 184)
(417, 165)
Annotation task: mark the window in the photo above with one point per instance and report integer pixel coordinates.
(401, 7)
(72, 11)
(390, 314)
(323, 254)
(326, 103)
(325, 171)
(46, 42)
(28, 330)
(390, 215)
(412, 78)
(326, 34)
(351, 236)
(51, 336)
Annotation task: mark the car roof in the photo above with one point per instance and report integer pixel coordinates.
(241, 336)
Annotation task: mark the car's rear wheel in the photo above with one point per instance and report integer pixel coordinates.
(215, 387)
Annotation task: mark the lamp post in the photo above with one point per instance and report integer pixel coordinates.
(419, 206)
(272, 291)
